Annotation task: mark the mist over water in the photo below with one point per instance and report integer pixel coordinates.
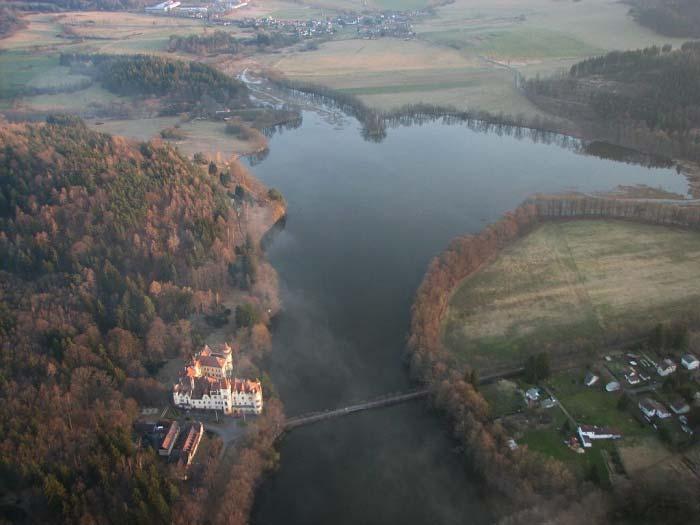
(364, 220)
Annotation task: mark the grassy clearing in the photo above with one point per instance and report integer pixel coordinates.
(595, 406)
(573, 282)
(201, 136)
(549, 442)
(409, 88)
(75, 102)
(503, 398)
(20, 69)
(514, 44)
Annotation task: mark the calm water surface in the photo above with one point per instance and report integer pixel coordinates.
(364, 220)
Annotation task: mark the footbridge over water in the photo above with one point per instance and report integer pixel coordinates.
(383, 401)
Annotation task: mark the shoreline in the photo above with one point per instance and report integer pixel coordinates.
(456, 397)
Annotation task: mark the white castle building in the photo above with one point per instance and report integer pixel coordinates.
(231, 396)
(206, 384)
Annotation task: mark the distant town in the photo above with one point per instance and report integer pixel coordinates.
(395, 24)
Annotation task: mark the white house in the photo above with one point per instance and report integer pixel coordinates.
(679, 406)
(666, 367)
(690, 362)
(588, 433)
(590, 379)
(533, 394)
(632, 376)
(163, 7)
(651, 408)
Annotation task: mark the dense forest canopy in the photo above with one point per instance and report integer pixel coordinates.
(105, 248)
(676, 18)
(79, 5)
(649, 95)
(654, 85)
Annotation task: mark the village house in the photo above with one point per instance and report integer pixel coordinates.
(589, 433)
(632, 376)
(532, 396)
(651, 408)
(163, 7)
(690, 362)
(666, 367)
(590, 379)
(679, 406)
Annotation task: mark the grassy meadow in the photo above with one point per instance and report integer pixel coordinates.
(482, 38)
(573, 282)
(463, 55)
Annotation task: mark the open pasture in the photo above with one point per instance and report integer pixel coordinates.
(462, 53)
(389, 73)
(203, 136)
(573, 282)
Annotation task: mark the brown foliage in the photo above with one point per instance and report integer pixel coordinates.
(255, 456)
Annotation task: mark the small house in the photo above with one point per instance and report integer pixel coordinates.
(679, 406)
(589, 433)
(690, 362)
(632, 376)
(590, 379)
(613, 386)
(651, 408)
(550, 402)
(666, 367)
(532, 396)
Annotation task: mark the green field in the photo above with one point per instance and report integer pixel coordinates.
(573, 283)
(595, 406)
(514, 44)
(20, 69)
(481, 37)
(550, 442)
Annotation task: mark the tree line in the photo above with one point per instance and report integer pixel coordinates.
(79, 5)
(675, 18)
(224, 42)
(646, 98)
(375, 122)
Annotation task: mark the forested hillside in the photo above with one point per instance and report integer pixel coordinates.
(106, 247)
(183, 86)
(647, 98)
(77, 5)
(677, 18)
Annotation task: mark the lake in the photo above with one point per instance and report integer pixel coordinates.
(364, 220)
